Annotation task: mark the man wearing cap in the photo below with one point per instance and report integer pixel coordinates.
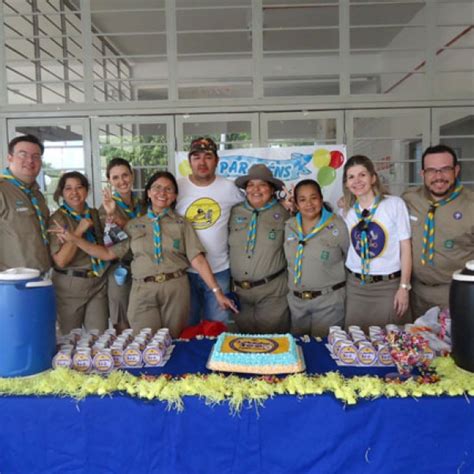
(23, 210)
(206, 200)
(442, 222)
(257, 258)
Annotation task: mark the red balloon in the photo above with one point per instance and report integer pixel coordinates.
(337, 159)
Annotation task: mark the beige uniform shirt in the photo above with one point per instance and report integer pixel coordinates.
(323, 257)
(454, 234)
(21, 243)
(179, 242)
(81, 260)
(268, 257)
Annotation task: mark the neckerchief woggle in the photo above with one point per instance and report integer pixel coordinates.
(157, 246)
(98, 265)
(326, 218)
(252, 228)
(428, 251)
(132, 212)
(364, 239)
(6, 174)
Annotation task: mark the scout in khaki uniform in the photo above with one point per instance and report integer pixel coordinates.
(257, 259)
(316, 243)
(23, 211)
(163, 245)
(79, 281)
(442, 222)
(119, 207)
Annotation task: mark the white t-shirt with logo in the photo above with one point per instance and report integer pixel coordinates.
(208, 209)
(388, 227)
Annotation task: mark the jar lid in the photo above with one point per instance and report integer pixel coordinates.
(20, 273)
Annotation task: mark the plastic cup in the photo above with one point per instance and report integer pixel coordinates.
(120, 275)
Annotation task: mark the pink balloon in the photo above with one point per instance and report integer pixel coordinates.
(337, 159)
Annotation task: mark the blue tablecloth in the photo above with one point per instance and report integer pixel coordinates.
(314, 434)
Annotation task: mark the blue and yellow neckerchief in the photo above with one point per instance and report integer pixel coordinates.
(132, 212)
(155, 218)
(326, 218)
(6, 174)
(252, 228)
(428, 251)
(98, 265)
(365, 217)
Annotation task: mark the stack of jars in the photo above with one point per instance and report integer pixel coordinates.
(91, 352)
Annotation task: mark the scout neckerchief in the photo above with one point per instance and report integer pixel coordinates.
(6, 174)
(427, 253)
(326, 218)
(157, 232)
(252, 228)
(97, 264)
(132, 212)
(365, 217)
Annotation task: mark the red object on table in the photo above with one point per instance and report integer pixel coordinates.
(204, 328)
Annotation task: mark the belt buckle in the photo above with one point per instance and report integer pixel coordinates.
(246, 285)
(307, 295)
(369, 279)
(161, 278)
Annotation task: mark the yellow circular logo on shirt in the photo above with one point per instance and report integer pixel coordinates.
(203, 213)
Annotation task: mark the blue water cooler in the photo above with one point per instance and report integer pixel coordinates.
(27, 323)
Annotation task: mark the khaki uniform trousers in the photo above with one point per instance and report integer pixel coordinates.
(372, 304)
(315, 316)
(264, 309)
(118, 296)
(423, 297)
(160, 305)
(81, 302)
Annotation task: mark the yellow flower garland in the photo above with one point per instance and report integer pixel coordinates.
(217, 388)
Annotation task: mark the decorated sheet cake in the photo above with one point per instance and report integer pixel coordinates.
(256, 354)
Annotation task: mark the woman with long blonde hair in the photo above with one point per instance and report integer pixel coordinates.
(379, 259)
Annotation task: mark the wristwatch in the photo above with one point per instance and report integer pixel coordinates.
(216, 289)
(405, 286)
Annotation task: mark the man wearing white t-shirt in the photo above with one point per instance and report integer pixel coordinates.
(206, 201)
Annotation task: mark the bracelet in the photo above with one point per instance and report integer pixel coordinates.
(216, 289)
(405, 286)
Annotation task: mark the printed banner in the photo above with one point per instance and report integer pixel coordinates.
(290, 164)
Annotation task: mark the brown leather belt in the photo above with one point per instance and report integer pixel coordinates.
(310, 295)
(376, 278)
(77, 273)
(162, 277)
(246, 285)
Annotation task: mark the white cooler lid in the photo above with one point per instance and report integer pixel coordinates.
(20, 273)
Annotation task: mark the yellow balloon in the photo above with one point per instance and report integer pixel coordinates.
(184, 168)
(321, 157)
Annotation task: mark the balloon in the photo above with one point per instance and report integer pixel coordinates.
(321, 157)
(337, 159)
(326, 175)
(184, 168)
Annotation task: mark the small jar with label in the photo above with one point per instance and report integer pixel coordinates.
(132, 356)
(63, 359)
(103, 362)
(82, 360)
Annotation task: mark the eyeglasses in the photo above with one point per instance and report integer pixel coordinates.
(443, 170)
(162, 189)
(23, 155)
